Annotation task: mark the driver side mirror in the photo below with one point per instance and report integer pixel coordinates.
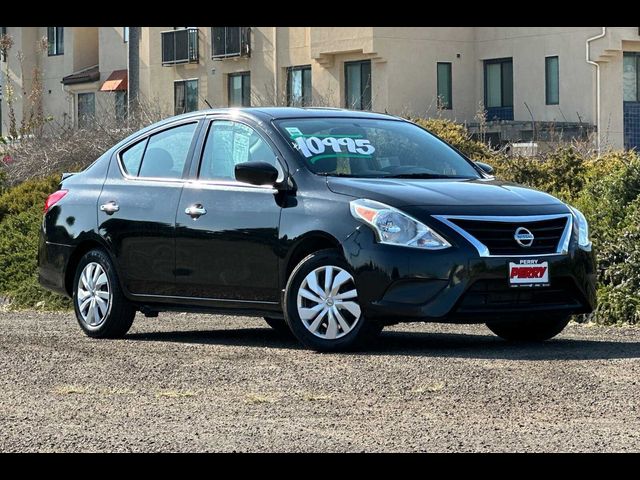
(485, 167)
(256, 173)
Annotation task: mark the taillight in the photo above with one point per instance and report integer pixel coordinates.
(54, 198)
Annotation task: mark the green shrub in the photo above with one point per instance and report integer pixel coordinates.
(560, 172)
(457, 135)
(20, 219)
(27, 194)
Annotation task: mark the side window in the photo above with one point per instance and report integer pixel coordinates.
(132, 158)
(230, 143)
(167, 151)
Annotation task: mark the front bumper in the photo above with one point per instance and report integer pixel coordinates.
(398, 284)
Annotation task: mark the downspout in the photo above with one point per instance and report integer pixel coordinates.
(595, 64)
(275, 66)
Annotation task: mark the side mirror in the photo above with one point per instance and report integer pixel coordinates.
(256, 173)
(486, 168)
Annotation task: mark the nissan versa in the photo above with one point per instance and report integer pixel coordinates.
(328, 223)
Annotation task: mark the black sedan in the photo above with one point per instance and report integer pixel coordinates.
(328, 223)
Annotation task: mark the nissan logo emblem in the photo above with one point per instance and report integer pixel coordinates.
(523, 237)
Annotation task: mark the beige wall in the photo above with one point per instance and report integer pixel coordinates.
(403, 68)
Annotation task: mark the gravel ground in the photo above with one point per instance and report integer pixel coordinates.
(216, 383)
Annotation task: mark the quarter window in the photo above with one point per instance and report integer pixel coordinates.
(55, 40)
(166, 152)
(132, 158)
(229, 144)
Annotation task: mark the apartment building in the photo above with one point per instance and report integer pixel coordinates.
(529, 81)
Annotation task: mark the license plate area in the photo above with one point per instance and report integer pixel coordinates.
(529, 273)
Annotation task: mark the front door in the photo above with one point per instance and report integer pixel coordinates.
(137, 208)
(227, 231)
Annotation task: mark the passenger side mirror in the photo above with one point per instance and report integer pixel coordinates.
(256, 173)
(486, 168)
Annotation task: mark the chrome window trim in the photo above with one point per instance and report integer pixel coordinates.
(230, 185)
(483, 250)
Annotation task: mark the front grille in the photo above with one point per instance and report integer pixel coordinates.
(496, 296)
(498, 237)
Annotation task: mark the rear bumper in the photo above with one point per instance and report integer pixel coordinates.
(455, 285)
(52, 262)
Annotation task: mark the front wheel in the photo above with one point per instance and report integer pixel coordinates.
(322, 307)
(529, 330)
(101, 308)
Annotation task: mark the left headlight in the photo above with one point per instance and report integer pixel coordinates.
(583, 227)
(394, 227)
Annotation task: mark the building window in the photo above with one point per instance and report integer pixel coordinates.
(230, 41)
(121, 105)
(357, 80)
(239, 89)
(185, 96)
(445, 100)
(180, 46)
(125, 34)
(498, 88)
(86, 109)
(3, 51)
(55, 40)
(552, 80)
(631, 77)
(299, 86)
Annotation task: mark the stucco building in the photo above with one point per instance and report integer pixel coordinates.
(529, 80)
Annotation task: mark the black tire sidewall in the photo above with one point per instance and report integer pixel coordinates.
(120, 313)
(355, 338)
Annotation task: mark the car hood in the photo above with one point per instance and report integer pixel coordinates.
(441, 192)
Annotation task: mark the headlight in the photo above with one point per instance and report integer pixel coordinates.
(583, 227)
(394, 227)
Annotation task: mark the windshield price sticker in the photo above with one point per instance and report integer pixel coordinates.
(312, 146)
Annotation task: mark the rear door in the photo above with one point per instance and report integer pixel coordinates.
(137, 207)
(227, 247)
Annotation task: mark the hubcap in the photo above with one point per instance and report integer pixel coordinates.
(94, 295)
(327, 302)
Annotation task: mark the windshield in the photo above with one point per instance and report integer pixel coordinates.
(360, 147)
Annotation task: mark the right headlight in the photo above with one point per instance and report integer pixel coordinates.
(583, 228)
(394, 227)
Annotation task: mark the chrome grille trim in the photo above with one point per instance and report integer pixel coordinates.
(561, 249)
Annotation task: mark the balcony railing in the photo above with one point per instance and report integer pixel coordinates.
(230, 42)
(180, 46)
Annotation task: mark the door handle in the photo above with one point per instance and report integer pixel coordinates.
(195, 211)
(110, 207)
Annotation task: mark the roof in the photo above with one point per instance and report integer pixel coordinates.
(278, 113)
(86, 75)
(116, 81)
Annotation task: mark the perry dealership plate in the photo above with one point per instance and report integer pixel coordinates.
(529, 273)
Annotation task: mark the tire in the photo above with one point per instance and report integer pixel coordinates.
(330, 332)
(279, 325)
(536, 330)
(99, 275)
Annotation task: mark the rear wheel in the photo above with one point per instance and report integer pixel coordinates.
(322, 307)
(101, 308)
(536, 330)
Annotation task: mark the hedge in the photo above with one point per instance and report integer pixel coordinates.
(605, 188)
